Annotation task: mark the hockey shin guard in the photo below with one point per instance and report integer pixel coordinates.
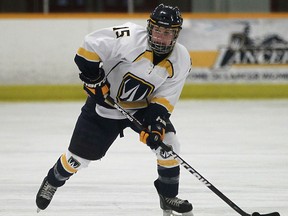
(167, 183)
(66, 166)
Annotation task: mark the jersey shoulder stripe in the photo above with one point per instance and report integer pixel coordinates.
(88, 55)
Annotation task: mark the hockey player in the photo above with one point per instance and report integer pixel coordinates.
(144, 70)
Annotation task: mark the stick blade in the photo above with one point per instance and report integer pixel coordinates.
(269, 214)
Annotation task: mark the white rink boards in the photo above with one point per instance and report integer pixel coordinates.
(240, 146)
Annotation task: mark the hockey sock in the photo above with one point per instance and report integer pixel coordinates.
(167, 183)
(61, 171)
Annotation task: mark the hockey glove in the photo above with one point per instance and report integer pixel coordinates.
(155, 124)
(97, 88)
(153, 136)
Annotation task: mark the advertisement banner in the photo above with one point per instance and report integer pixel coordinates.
(237, 50)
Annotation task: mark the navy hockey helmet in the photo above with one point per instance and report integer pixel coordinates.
(168, 18)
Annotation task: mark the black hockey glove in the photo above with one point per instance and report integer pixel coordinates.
(154, 135)
(98, 88)
(155, 124)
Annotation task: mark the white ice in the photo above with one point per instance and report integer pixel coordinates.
(241, 147)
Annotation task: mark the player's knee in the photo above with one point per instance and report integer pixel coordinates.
(65, 167)
(164, 159)
(72, 163)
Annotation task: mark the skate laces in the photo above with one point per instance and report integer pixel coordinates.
(174, 201)
(48, 191)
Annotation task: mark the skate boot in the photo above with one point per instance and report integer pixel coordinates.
(174, 206)
(45, 195)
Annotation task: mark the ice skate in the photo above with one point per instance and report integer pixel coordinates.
(45, 195)
(174, 206)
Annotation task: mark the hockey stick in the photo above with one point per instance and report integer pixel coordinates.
(166, 148)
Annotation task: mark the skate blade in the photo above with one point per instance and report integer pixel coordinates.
(188, 214)
(173, 213)
(38, 210)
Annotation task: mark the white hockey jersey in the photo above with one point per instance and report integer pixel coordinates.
(128, 64)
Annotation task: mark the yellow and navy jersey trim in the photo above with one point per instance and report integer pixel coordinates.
(87, 61)
(165, 63)
(88, 55)
(164, 102)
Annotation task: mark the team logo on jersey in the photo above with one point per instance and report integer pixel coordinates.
(134, 88)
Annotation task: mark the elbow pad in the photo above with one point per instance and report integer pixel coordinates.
(90, 70)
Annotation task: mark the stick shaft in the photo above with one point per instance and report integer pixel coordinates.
(140, 127)
(208, 184)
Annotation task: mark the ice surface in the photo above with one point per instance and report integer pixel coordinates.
(241, 147)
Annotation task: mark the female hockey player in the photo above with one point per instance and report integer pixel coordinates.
(144, 70)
